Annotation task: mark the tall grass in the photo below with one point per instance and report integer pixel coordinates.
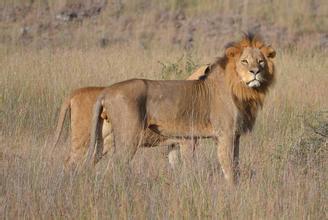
(33, 184)
(284, 163)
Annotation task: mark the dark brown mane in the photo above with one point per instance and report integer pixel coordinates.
(249, 39)
(248, 100)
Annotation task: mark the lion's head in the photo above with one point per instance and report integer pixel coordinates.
(249, 66)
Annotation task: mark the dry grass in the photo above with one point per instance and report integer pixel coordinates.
(283, 164)
(33, 184)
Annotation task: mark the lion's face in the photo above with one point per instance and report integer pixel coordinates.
(250, 67)
(252, 64)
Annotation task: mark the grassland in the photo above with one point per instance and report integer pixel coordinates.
(283, 162)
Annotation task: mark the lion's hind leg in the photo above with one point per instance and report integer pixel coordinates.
(128, 132)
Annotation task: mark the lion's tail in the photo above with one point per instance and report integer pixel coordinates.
(95, 127)
(63, 110)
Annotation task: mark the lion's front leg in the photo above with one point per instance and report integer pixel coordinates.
(236, 157)
(228, 155)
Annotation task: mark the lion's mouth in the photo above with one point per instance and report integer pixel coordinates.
(254, 83)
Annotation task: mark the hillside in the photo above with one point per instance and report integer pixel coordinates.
(181, 23)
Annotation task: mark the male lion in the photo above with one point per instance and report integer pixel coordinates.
(80, 103)
(222, 105)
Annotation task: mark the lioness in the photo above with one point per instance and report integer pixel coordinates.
(80, 103)
(221, 105)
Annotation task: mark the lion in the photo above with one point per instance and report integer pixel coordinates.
(80, 103)
(221, 105)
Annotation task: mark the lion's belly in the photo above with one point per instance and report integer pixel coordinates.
(179, 129)
(169, 113)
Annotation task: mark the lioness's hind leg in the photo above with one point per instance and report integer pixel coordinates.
(77, 151)
(99, 143)
(74, 159)
(108, 142)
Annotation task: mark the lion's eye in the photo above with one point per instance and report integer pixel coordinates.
(244, 61)
(261, 62)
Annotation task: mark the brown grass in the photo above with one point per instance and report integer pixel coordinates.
(33, 184)
(281, 179)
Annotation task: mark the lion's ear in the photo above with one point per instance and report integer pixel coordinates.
(270, 52)
(231, 52)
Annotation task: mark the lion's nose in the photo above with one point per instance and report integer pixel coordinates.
(255, 71)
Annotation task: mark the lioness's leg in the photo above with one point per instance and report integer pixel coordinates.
(79, 137)
(77, 151)
(228, 153)
(107, 135)
(80, 129)
(99, 142)
(174, 155)
(105, 141)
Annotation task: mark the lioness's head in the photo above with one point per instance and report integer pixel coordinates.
(252, 59)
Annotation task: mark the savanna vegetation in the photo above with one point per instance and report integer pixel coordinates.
(284, 170)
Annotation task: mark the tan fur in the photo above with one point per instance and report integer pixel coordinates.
(80, 118)
(198, 73)
(222, 105)
(80, 103)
